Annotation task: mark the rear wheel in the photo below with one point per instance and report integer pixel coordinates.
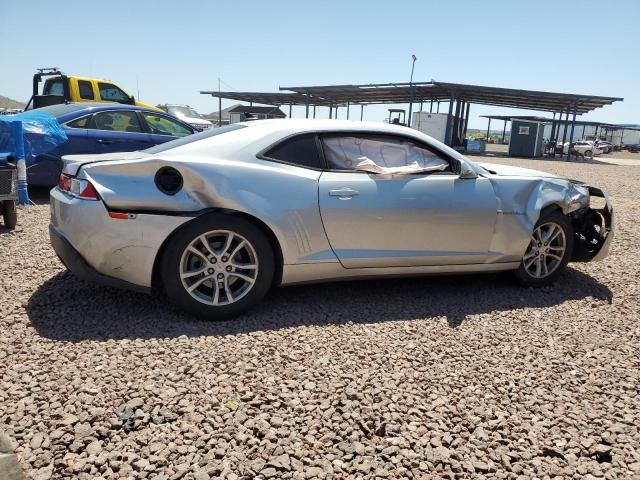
(10, 214)
(218, 266)
(548, 252)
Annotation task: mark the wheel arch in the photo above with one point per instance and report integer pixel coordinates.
(549, 209)
(156, 280)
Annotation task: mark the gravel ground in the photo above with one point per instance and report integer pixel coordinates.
(441, 377)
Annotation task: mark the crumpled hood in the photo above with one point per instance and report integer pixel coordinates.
(508, 170)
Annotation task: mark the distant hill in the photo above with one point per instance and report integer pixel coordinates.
(9, 103)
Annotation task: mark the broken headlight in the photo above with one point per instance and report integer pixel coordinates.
(577, 197)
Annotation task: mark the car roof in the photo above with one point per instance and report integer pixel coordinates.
(328, 125)
(66, 111)
(263, 133)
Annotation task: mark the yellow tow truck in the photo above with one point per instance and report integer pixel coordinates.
(61, 88)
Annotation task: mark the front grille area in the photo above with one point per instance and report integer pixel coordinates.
(7, 181)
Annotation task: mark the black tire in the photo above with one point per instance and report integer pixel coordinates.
(588, 153)
(173, 257)
(10, 214)
(522, 274)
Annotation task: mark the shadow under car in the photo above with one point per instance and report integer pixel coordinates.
(65, 308)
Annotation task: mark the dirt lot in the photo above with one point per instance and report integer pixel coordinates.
(442, 377)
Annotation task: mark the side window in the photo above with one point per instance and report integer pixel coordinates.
(117, 121)
(53, 87)
(301, 151)
(86, 90)
(82, 122)
(160, 125)
(111, 93)
(350, 151)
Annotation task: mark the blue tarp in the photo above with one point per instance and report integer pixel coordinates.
(42, 133)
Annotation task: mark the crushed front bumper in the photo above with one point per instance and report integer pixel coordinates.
(594, 230)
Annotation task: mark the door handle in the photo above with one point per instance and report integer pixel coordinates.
(343, 193)
(102, 140)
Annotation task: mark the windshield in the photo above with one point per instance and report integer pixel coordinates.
(183, 112)
(194, 138)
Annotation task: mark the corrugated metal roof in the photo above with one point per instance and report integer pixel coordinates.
(444, 91)
(390, 93)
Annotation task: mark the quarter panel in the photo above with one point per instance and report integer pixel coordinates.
(124, 249)
(284, 197)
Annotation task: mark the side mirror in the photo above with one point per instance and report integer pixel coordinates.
(465, 172)
(132, 101)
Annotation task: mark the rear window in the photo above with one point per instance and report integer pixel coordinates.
(82, 122)
(53, 87)
(212, 132)
(301, 151)
(62, 109)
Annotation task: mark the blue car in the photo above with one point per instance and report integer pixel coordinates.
(103, 128)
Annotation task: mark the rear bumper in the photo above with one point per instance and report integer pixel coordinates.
(81, 269)
(121, 249)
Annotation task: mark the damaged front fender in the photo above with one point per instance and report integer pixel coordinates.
(523, 199)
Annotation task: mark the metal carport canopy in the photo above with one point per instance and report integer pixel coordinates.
(587, 123)
(444, 92)
(265, 98)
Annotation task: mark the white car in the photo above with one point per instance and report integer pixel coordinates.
(188, 115)
(583, 147)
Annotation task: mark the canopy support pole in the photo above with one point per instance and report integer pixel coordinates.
(573, 126)
(220, 106)
(466, 122)
(488, 129)
(361, 110)
(564, 130)
(553, 130)
(447, 133)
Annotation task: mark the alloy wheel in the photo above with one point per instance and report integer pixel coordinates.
(219, 267)
(546, 250)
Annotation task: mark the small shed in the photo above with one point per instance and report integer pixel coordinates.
(240, 113)
(526, 138)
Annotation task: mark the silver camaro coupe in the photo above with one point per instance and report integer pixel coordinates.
(216, 219)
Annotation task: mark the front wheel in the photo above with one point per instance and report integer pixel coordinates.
(588, 153)
(548, 252)
(218, 266)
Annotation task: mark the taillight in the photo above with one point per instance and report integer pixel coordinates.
(77, 187)
(64, 182)
(89, 191)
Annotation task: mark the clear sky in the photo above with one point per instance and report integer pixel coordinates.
(173, 49)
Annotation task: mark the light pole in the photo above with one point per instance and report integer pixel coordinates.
(413, 64)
